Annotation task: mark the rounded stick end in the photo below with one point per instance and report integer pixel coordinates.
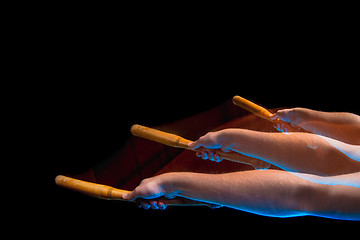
(135, 129)
(60, 180)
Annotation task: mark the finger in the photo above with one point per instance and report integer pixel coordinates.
(194, 145)
(130, 196)
(217, 158)
(281, 127)
(142, 204)
(211, 156)
(145, 205)
(162, 206)
(205, 155)
(154, 205)
(277, 126)
(274, 116)
(286, 129)
(198, 154)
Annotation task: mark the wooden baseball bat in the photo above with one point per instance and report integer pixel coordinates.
(180, 142)
(111, 193)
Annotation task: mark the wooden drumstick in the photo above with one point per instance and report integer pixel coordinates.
(111, 193)
(264, 113)
(89, 188)
(180, 142)
(152, 134)
(252, 107)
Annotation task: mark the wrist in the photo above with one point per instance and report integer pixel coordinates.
(228, 138)
(301, 114)
(170, 183)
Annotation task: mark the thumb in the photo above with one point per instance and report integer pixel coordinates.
(130, 196)
(194, 145)
(274, 116)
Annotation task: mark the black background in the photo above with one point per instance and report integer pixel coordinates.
(100, 73)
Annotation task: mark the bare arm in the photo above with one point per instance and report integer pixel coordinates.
(297, 152)
(332, 117)
(352, 151)
(265, 192)
(350, 179)
(342, 126)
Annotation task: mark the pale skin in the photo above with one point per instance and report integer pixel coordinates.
(322, 176)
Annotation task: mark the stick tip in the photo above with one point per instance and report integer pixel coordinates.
(135, 129)
(60, 179)
(236, 99)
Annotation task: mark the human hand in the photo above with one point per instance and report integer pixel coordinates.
(151, 188)
(287, 120)
(211, 140)
(155, 193)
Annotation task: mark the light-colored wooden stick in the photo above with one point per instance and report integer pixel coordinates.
(264, 113)
(160, 136)
(180, 142)
(252, 107)
(89, 188)
(110, 193)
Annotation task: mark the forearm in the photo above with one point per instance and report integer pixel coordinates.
(271, 193)
(298, 152)
(330, 117)
(268, 192)
(352, 151)
(350, 179)
(338, 125)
